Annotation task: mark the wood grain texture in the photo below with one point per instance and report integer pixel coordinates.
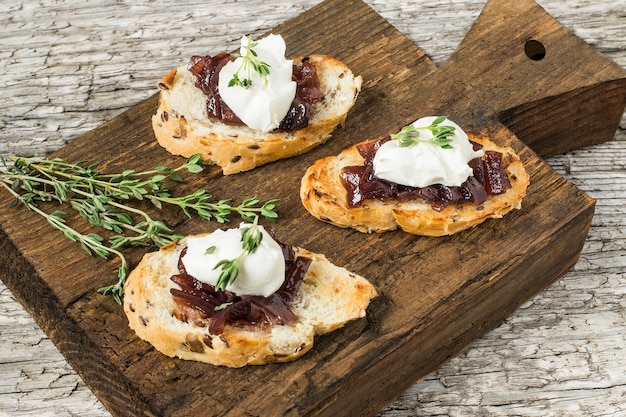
(566, 164)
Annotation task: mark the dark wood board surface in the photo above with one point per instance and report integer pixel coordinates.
(436, 294)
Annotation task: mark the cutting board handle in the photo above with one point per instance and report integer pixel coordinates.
(553, 90)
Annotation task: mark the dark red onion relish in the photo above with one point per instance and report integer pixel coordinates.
(489, 178)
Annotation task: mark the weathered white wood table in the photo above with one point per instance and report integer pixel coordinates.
(68, 66)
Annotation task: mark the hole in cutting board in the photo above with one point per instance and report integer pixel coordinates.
(535, 50)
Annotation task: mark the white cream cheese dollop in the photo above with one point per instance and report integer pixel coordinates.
(264, 104)
(260, 273)
(423, 163)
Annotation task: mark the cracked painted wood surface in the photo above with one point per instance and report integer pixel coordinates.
(66, 69)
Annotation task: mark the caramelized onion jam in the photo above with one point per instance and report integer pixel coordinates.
(206, 69)
(489, 178)
(199, 301)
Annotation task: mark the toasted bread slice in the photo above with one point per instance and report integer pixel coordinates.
(328, 297)
(325, 197)
(182, 127)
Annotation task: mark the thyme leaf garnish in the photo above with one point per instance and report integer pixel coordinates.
(250, 63)
(103, 200)
(442, 135)
(251, 238)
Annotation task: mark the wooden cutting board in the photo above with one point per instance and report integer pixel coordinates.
(517, 67)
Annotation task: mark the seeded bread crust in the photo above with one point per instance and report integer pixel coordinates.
(182, 127)
(329, 297)
(324, 196)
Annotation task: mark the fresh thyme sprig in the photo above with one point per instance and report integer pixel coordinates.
(442, 135)
(251, 238)
(250, 62)
(103, 200)
(92, 243)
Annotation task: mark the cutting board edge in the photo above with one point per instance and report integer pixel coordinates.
(65, 333)
(465, 335)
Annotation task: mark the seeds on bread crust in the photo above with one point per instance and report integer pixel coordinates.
(218, 143)
(161, 323)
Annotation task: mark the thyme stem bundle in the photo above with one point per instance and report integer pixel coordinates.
(103, 200)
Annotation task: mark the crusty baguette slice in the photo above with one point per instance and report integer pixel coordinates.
(329, 297)
(324, 196)
(182, 127)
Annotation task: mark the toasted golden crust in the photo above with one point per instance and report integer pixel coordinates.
(329, 297)
(324, 196)
(182, 127)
